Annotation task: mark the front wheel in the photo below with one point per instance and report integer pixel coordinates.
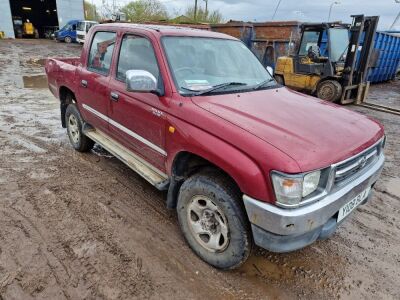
(329, 90)
(68, 39)
(213, 220)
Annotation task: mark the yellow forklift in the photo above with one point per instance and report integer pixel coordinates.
(332, 60)
(24, 29)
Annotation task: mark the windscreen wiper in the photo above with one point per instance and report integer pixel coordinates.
(214, 88)
(261, 84)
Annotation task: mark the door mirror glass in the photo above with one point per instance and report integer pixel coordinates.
(140, 81)
(270, 70)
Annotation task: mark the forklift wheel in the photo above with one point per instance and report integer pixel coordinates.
(329, 90)
(279, 79)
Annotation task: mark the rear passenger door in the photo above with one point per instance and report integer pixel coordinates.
(94, 77)
(138, 119)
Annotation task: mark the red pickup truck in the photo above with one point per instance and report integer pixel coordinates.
(244, 160)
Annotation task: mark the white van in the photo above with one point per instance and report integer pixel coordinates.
(82, 29)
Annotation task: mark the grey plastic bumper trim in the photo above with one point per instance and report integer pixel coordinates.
(284, 221)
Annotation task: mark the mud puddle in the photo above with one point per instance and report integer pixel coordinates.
(34, 82)
(36, 62)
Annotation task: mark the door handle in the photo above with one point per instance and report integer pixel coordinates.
(84, 83)
(114, 96)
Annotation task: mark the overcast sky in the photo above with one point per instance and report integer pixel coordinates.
(306, 10)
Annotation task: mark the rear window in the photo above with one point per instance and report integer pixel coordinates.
(101, 51)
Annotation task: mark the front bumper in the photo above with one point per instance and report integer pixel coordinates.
(283, 230)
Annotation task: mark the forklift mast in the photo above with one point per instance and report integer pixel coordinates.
(354, 81)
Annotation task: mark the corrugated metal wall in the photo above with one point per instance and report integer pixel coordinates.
(6, 19)
(69, 10)
(386, 67)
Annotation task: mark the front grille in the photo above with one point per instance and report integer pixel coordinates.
(355, 165)
(80, 36)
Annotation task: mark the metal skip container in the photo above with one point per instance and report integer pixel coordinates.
(387, 64)
(267, 40)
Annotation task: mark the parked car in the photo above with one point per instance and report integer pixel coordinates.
(243, 159)
(67, 33)
(82, 30)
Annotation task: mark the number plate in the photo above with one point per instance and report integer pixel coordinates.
(346, 209)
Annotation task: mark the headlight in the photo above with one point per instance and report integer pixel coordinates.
(291, 189)
(310, 183)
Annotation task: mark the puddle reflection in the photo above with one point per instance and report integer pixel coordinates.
(35, 81)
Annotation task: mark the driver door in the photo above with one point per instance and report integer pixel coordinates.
(137, 120)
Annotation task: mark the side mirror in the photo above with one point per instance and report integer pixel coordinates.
(140, 81)
(270, 70)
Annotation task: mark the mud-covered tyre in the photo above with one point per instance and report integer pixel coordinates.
(329, 90)
(74, 122)
(212, 218)
(68, 39)
(279, 79)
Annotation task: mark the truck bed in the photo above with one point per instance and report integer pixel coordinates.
(61, 72)
(66, 60)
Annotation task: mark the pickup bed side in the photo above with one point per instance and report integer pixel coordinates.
(61, 74)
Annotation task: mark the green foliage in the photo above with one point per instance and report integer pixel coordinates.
(204, 16)
(90, 12)
(145, 10)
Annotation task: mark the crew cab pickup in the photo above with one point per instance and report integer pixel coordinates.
(244, 160)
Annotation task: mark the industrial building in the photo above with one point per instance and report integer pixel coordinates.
(43, 14)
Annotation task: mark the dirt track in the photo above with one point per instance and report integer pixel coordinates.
(76, 226)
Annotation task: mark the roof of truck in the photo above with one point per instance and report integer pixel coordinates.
(164, 30)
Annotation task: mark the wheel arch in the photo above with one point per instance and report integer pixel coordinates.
(65, 101)
(240, 169)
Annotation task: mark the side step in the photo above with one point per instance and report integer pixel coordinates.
(147, 171)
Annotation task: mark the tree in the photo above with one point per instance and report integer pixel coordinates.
(90, 11)
(145, 10)
(204, 16)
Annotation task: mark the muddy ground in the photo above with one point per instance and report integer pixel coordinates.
(76, 226)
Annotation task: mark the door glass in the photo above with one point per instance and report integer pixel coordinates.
(309, 39)
(101, 50)
(339, 41)
(136, 54)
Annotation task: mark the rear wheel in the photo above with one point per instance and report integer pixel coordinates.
(74, 122)
(213, 220)
(68, 39)
(329, 90)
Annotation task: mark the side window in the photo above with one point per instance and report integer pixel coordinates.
(136, 53)
(101, 51)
